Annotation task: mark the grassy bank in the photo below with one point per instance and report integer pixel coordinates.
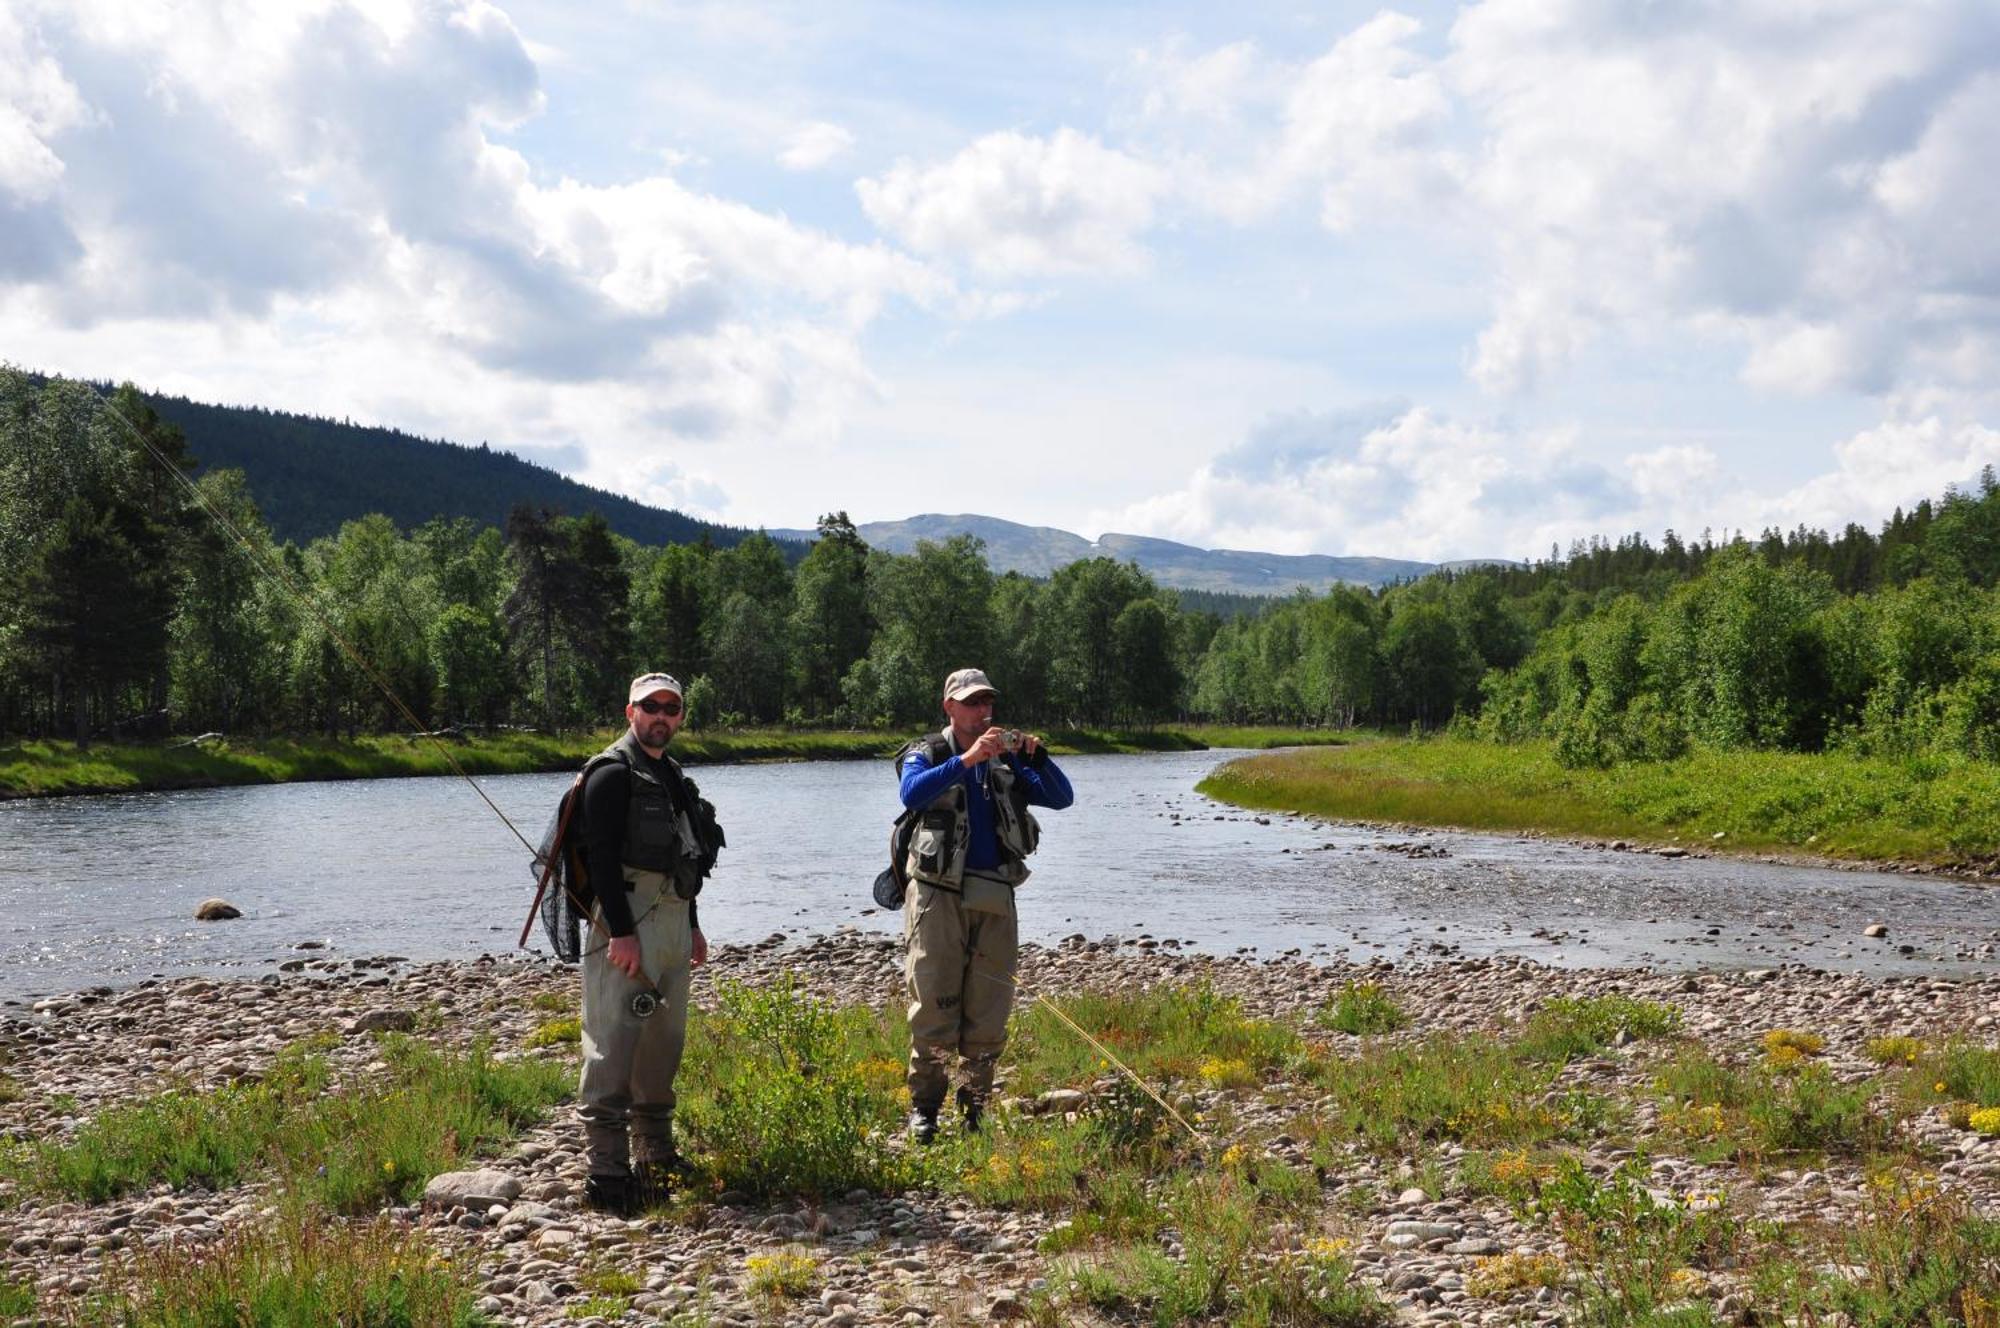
(1275, 1147)
(1925, 810)
(50, 768)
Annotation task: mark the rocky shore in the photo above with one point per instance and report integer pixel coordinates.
(917, 1258)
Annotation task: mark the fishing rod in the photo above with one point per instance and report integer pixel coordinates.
(277, 572)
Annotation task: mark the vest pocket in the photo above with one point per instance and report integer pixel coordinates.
(932, 843)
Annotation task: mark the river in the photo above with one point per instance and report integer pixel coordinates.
(102, 890)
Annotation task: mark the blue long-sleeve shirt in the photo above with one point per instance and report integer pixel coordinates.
(923, 783)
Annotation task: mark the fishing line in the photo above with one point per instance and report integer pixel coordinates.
(1110, 1056)
(276, 571)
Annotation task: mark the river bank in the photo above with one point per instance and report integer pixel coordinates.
(1925, 813)
(51, 768)
(1472, 1142)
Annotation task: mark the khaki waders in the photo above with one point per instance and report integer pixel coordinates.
(959, 966)
(626, 1092)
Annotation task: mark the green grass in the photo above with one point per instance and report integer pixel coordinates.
(44, 768)
(297, 1272)
(1164, 1034)
(1362, 1008)
(1833, 805)
(1566, 1028)
(352, 1148)
(1721, 1112)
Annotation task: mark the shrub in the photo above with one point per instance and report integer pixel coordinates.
(1916, 1255)
(1161, 1033)
(299, 1270)
(1894, 1050)
(1445, 1088)
(785, 1274)
(378, 1141)
(1968, 1073)
(1569, 1027)
(1786, 1048)
(1362, 1008)
(557, 1032)
(772, 1092)
(1627, 1245)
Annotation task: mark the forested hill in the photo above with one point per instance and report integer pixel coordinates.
(308, 475)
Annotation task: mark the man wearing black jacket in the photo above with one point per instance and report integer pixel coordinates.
(643, 852)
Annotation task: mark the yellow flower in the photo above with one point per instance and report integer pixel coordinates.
(1232, 1155)
(1938, 1087)
(389, 1167)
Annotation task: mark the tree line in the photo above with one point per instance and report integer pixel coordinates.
(127, 609)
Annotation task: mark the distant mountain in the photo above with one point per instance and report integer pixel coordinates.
(309, 475)
(1040, 550)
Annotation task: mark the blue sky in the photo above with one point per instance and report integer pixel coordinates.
(1425, 280)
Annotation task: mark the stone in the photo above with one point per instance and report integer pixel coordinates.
(1875, 930)
(1006, 1305)
(1059, 1100)
(216, 910)
(475, 1190)
(387, 1021)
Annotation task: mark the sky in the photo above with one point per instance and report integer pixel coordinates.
(1424, 281)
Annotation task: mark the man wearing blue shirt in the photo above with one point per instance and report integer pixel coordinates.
(971, 785)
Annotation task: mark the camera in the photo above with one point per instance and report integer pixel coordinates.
(1011, 740)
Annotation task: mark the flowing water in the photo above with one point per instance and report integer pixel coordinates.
(103, 889)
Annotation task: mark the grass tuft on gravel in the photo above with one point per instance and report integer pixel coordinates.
(353, 1147)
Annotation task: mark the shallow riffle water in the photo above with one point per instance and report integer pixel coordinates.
(102, 890)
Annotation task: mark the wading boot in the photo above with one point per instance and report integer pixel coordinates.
(974, 1108)
(609, 1194)
(923, 1122)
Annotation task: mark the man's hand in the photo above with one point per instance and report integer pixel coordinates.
(623, 954)
(987, 746)
(1031, 746)
(699, 955)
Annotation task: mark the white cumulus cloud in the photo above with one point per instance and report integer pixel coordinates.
(812, 146)
(1011, 204)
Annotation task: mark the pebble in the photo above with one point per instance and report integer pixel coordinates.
(914, 1258)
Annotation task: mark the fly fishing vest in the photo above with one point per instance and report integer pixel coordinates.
(942, 835)
(659, 839)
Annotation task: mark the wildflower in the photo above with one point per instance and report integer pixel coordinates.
(1232, 1155)
(1938, 1087)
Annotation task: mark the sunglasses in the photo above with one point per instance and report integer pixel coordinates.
(653, 707)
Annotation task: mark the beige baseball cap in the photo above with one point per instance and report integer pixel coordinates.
(646, 684)
(967, 682)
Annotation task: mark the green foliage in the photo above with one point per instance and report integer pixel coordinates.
(1918, 1256)
(1770, 1111)
(1362, 1008)
(1627, 1243)
(296, 1272)
(777, 1091)
(1469, 1090)
(353, 1147)
(1568, 1027)
(1835, 804)
(1968, 1073)
(1226, 1222)
(1162, 1033)
(566, 1031)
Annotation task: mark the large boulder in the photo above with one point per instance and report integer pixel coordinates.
(216, 910)
(474, 1190)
